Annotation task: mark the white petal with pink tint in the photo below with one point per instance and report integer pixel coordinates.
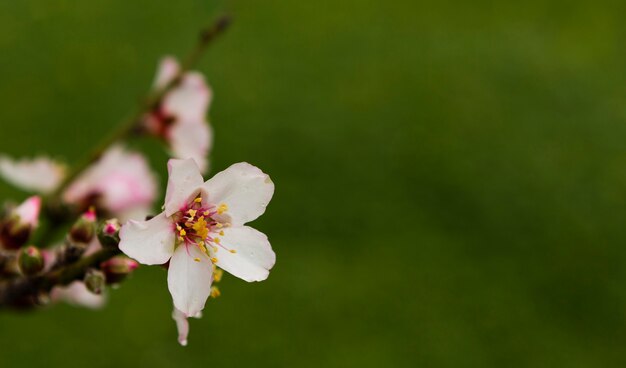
(39, 174)
(28, 211)
(182, 325)
(148, 242)
(253, 256)
(77, 294)
(192, 140)
(244, 188)
(183, 183)
(189, 279)
(121, 178)
(190, 100)
(167, 70)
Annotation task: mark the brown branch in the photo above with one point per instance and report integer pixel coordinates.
(24, 291)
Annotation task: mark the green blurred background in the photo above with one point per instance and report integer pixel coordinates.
(451, 178)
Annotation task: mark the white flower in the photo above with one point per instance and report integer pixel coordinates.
(202, 225)
(39, 174)
(120, 181)
(181, 117)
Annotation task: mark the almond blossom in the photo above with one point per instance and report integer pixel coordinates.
(203, 226)
(121, 182)
(180, 118)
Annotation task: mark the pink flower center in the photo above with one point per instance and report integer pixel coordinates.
(199, 224)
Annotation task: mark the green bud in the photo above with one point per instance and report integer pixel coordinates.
(95, 281)
(84, 229)
(30, 260)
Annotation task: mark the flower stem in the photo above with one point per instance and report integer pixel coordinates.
(23, 292)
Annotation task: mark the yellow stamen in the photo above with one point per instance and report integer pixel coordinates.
(222, 233)
(217, 274)
(216, 240)
(197, 259)
(214, 260)
(198, 200)
(215, 292)
(233, 251)
(192, 213)
(201, 228)
(222, 208)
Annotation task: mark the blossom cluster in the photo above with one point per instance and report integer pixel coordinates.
(200, 232)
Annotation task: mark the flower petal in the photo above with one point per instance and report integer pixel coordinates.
(253, 256)
(78, 295)
(39, 174)
(190, 100)
(28, 211)
(121, 179)
(183, 183)
(148, 242)
(182, 325)
(244, 188)
(168, 68)
(189, 279)
(192, 140)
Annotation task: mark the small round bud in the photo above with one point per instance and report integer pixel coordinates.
(84, 229)
(95, 281)
(118, 268)
(30, 260)
(109, 233)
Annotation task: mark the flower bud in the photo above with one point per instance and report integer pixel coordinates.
(118, 268)
(30, 260)
(16, 228)
(95, 281)
(84, 229)
(108, 233)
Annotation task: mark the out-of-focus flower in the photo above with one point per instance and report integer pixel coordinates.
(120, 182)
(78, 295)
(203, 225)
(180, 118)
(20, 223)
(39, 174)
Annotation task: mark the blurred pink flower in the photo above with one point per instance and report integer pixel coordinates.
(121, 182)
(181, 117)
(202, 226)
(78, 295)
(39, 174)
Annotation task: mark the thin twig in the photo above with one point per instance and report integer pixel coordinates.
(128, 125)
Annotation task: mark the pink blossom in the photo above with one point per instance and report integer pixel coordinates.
(181, 117)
